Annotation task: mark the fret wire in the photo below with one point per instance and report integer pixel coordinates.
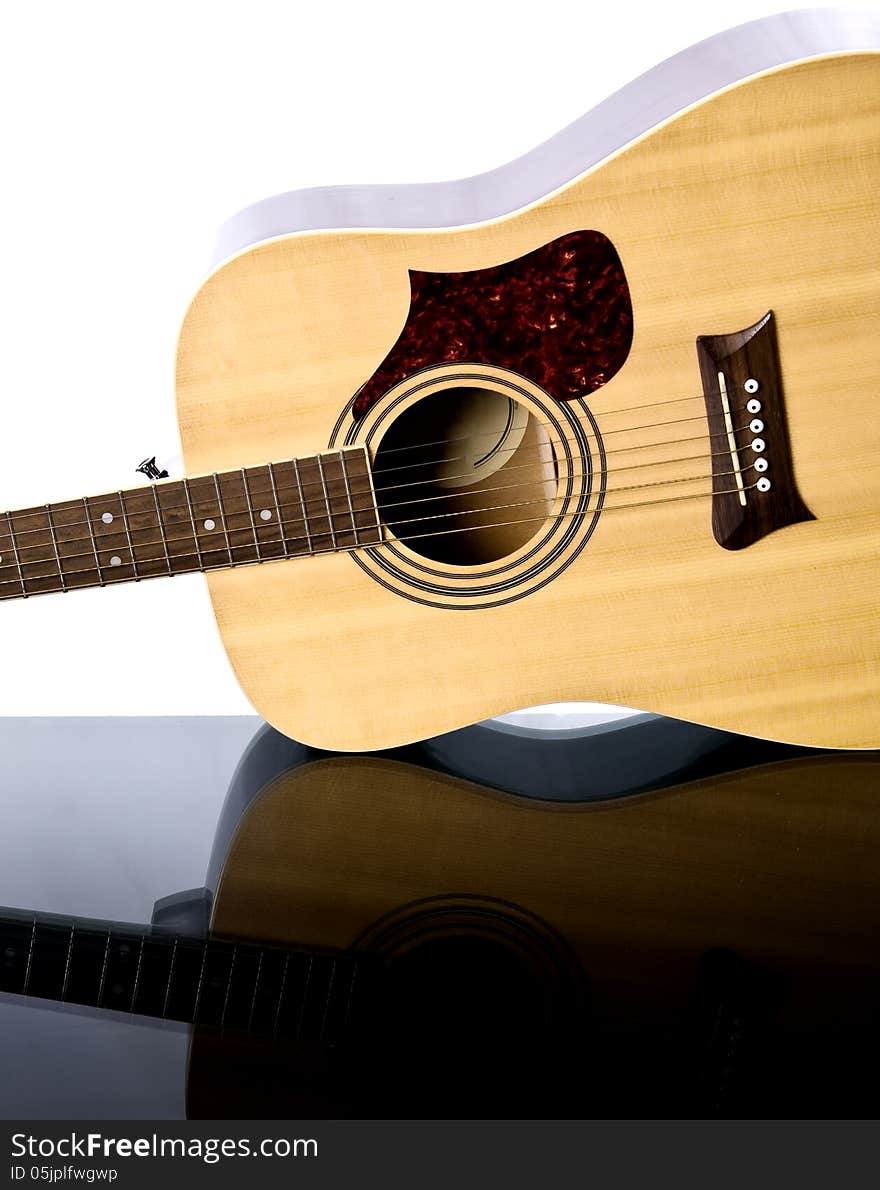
(278, 509)
(193, 520)
(64, 505)
(344, 469)
(309, 539)
(281, 995)
(24, 590)
(162, 540)
(55, 547)
(104, 967)
(199, 985)
(247, 496)
(228, 986)
(137, 975)
(30, 958)
(94, 542)
(110, 582)
(170, 975)
(155, 491)
(326, 499)
(302, 1010)
(250, 1023)
(67, 963)
(223, 519)
(137, 577)
(302, 501)
(327, 999)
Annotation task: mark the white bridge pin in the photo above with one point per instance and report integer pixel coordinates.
(763, 484)
(751, 385)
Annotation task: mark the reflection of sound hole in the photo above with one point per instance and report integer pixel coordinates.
(484, 1009)
(465, 476)
(473, 1033)
(473, 991)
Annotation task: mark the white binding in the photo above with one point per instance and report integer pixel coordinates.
(680, 81)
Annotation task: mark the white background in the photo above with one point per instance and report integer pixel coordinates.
(129, 134)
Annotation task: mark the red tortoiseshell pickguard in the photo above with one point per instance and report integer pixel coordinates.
(560, 315)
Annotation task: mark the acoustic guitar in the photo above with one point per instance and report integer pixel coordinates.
(388, 939)
(601, 423)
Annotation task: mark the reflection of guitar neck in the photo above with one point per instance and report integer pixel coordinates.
(281, 510)
(289, 994)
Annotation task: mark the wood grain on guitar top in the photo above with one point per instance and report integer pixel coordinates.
(762, 197)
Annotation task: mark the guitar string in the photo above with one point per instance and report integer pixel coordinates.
(432, 499)
(604, 435)
(554, 458)
(405, 540)
(545, 518)
(282, 505)
(60, 505)
(384, 488)
(479, 491)
(195, 500)
(603, 415)
(252, 527)
(388, 524)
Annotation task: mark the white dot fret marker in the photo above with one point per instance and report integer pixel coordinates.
(209, 524)
(115, 560)
(107, 518)
(265, 515)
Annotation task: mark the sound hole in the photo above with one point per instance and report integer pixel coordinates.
(465, 476)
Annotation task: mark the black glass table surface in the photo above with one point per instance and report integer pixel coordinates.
(768, 849)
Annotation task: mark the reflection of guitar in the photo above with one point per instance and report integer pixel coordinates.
(475, 953)
(576, 445)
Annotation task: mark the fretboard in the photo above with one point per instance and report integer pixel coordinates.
(299, 995)
(257, 514)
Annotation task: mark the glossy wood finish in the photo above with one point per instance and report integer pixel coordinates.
(762, 197)
(777, 863)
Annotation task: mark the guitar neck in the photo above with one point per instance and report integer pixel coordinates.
(289, 509)
(242, 988)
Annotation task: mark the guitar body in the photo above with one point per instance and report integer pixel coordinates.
(762, 197)
(607, 910)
